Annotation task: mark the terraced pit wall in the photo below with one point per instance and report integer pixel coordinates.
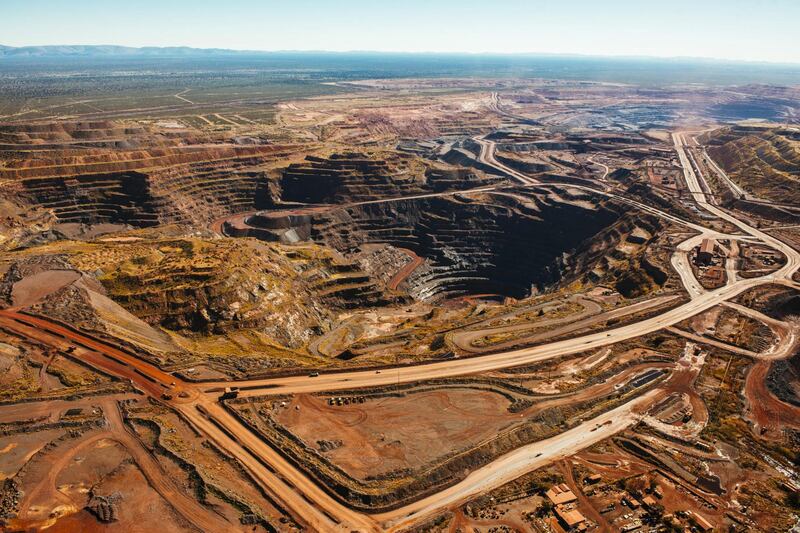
(193, 187)
(495, 244)
(353, 177)
(764, 162)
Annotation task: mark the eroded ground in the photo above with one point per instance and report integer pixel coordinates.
(399, 305)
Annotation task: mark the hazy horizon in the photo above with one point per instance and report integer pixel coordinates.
(714, 30)
(565, 55)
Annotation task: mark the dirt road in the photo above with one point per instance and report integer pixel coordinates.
(465, 340)
(521, 460)
(407, 269)
(189, 508)
(312, 502)
(99, 354)
(484, 363)
(254, 455)
(45, 490)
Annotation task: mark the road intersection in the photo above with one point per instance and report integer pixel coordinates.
(318, 509)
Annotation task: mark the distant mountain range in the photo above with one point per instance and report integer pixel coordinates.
(110, 50)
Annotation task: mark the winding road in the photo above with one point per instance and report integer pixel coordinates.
(314, 505)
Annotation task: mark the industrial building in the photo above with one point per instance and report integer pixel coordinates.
(706, 252)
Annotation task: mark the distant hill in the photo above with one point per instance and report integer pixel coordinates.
(109, 50)
(370, 64)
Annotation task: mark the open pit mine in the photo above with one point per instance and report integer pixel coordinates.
(423, 305)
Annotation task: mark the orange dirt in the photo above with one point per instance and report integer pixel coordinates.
(410, 431)
(583, 502)
(407, 269)
(30, 290)
(768, 413)
(390, 433)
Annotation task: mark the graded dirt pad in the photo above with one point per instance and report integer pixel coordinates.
(16, 450)
(53, 480)
(140, 510)
(98, 460)
(33, 288)
(53, 410)
(386, 434)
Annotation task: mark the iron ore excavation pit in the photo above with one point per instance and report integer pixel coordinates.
(284, 292)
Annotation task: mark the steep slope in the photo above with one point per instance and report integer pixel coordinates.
(764, 162)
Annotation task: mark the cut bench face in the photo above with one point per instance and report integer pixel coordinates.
(310, 293)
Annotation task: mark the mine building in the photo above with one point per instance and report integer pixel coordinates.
(715, 275)
(229, 393)
(706, 252)
(649, 502)
(571, 519)
(638, 236)
(560, 494)
(594, 478)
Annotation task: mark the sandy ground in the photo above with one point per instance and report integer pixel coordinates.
(461, 522)
(33, 288)
(390, 433)
(16, 450)
(57, 483)
(768, 413)
(142, 509)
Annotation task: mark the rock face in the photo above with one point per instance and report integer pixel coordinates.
(139, 179)
(354, 177)
(60, 134)
(783, 380)
(117, 197)
(506, 244)
(10, 496)
(154, 180)
(193, 193)
(214, 286)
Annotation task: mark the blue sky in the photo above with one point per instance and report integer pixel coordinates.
(760, 30)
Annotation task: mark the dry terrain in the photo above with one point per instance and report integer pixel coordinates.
(292, 301)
